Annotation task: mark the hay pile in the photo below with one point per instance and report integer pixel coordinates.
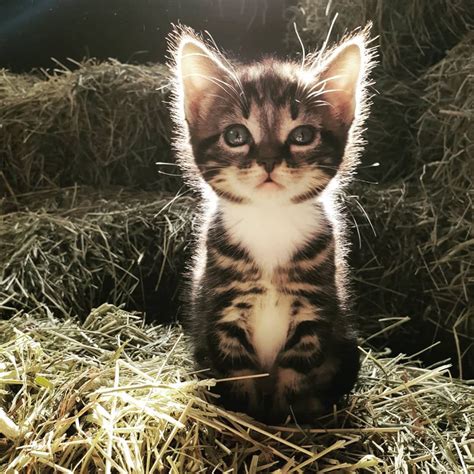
(414, 257)
(74, 248)
(86, 213)
(102, 124)
(423, 249)
(114, 395)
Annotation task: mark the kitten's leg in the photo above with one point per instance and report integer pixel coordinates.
(232, 356)
(315, 369)
(300, 357)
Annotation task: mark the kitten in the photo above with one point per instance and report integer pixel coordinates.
(270, 144)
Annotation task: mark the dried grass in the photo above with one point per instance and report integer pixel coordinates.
(412, 35)
(114, 395)
(101, 124)
(419, 260)
(72, 249)
(111, 394)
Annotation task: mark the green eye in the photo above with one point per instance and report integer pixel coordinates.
(237, 135)
(302, 135)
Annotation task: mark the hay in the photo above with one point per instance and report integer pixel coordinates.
(414, 258)
(418, 263)
(445, 124)
(72, 249)
(115, 395)
(419, 260)
(100, 124)
(412, 35)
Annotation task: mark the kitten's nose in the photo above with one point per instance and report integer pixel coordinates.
(268, 163)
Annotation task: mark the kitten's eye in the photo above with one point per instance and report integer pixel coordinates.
(237, 135)
(302, 135)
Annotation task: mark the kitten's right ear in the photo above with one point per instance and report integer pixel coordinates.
(201, 75)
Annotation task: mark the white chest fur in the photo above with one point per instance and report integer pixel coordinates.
(269, 323)
(271, 235)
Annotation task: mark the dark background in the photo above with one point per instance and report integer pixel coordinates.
(34, 31)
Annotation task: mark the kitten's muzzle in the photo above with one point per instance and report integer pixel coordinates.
(268, 163)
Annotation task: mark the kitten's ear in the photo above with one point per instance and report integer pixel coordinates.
(343, 76)
(202, 76)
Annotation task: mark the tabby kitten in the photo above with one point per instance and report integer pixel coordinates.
(270, 144)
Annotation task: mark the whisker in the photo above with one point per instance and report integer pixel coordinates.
(359, 205)
(163, 163)
(323, 82)
(317, 63)
(243, 101)
(356, 225)
(316, 103)
(220, 83)
(299, 85)
(234, 100)
(313, 87)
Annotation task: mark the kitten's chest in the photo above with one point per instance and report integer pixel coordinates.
(272, 234)
(269, 325)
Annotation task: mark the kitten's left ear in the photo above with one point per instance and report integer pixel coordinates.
(343, 76)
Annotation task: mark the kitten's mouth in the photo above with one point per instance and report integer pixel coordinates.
(269, 183)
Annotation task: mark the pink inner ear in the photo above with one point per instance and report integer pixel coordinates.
(342, 81)
(202, 74)
(194, 65)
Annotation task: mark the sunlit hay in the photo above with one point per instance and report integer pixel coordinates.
(99, 124)
(114, 395)
(75, 248)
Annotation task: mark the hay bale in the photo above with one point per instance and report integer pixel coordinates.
(419, 260)
(414, 259)
(445, 126)
(100, 124)
(72, 249)
(112, 394)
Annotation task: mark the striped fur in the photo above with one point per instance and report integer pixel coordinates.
(269, 288)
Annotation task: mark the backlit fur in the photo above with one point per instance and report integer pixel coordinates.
(269, 291)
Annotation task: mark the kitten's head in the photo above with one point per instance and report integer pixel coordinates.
(270, 131)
